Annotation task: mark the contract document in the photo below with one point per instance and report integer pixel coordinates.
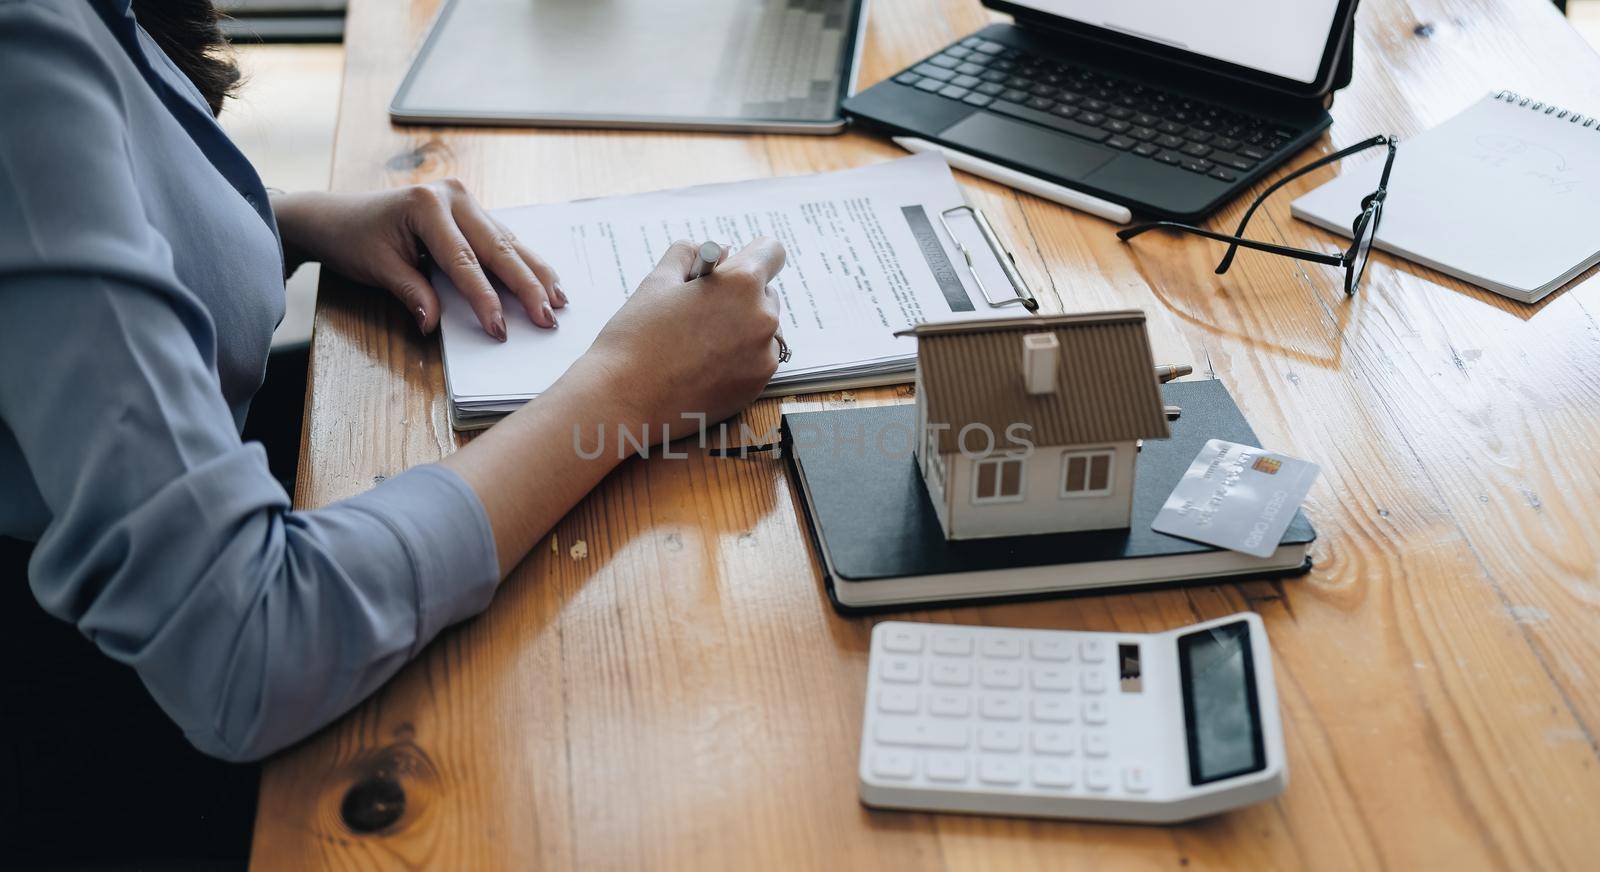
(869, 254)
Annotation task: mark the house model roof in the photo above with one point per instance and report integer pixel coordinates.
(1105, 385)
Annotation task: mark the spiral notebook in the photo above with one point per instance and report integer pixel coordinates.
(1505, 195)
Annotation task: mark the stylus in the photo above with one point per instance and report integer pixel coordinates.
(1022, 182)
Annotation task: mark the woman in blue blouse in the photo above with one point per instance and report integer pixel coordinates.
(142, 270)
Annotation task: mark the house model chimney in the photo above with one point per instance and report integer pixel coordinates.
(1041, 353)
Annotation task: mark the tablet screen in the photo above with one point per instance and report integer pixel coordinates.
(719, 64)
(1279, 38)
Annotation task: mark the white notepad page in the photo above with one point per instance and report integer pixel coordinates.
(854, 274)
(1505, 195)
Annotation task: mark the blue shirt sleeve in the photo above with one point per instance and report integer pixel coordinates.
(173, 548)
(168, 542)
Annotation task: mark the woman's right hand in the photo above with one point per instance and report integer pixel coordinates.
(682, 349)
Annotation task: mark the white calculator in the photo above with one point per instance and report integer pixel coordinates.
(1144, 728)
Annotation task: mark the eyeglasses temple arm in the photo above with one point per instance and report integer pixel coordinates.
(1227, 257)
(1297, 253)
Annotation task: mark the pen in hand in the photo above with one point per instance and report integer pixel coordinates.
(706, 258)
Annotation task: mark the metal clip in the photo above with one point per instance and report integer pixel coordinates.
(1008, 263)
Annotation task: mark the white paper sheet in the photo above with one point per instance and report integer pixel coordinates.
(855, 273)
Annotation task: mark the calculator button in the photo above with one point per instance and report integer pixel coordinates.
(945, 767)
(1056, 710)
(1094, 711)
(950, 705)
(1096, 745)
(1000, 708)
(1097, 776)
(1000, 770)
(1092, 650)
(1001, 646)
(1054, 774)
(1052, 678)
(1006, 675)
(1136, 779)
(897, 701)
(951, 674)
(893, 764)
(998, 738)
(905, 640)
(922, 735)
(952, 644)
(1093, 681)
(1057, 649)
(901, 669)
(1054, 740)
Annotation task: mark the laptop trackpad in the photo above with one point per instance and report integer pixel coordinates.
(1023, 144)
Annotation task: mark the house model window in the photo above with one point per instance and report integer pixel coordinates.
(1087, 473)
(1065, 400)
(998, 480)
(935, 461)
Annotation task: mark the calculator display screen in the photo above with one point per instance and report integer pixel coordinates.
(1221, 716)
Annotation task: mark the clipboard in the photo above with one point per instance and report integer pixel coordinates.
(1021, 294)
(864, 233)
(971, 233)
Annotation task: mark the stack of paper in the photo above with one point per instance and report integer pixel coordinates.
(867, 256)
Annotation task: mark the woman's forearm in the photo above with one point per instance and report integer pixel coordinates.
(528, 470)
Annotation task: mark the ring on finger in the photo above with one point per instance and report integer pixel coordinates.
(784, 354)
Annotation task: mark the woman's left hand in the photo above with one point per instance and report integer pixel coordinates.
(379, 238)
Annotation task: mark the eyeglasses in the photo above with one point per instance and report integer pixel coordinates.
(1363, 230)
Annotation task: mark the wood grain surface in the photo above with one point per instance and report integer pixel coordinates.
(662, 684)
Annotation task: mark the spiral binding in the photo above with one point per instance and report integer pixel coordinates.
(1553, 111)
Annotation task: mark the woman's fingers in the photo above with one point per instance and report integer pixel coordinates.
(673, 267)
(434, 223)
(497, 249)
(541, 268)
(774, 305)
(757, 263)
(414, 290)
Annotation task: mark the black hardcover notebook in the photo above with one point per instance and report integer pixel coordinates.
(881, 546)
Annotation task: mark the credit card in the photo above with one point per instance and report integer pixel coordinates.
(1237, 497)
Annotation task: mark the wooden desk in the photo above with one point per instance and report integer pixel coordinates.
(663, 685)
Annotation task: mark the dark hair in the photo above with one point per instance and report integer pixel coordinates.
(187, 30)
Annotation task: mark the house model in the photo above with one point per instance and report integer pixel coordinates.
(1031, 425)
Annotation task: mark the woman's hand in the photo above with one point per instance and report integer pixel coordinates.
(378, 239)
(676, 348)
(692, 348)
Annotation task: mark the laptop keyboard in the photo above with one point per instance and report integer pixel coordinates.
(1091, 104)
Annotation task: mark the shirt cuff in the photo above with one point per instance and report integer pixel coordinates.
(446, 533)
